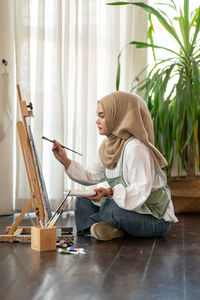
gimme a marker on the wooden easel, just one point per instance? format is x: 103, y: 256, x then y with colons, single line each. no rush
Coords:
x: 16, y: 232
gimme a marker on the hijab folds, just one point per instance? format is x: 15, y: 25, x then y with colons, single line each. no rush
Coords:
x: 126, y: 115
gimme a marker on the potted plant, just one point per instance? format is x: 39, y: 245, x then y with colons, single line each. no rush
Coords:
x: 172, y: 92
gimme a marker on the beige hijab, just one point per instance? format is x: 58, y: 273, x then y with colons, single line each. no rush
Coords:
x: 126, y: 115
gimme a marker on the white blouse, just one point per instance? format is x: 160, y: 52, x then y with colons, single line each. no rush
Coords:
x: 138, y: 173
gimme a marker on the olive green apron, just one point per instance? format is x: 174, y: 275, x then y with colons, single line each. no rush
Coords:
x: 158, y: 201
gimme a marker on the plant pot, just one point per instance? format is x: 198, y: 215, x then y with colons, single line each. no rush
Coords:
x: 185, y: 194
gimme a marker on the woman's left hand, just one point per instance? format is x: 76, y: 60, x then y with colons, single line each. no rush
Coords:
x: 100, y: 192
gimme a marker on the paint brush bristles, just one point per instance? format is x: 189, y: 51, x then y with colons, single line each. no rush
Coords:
x: 45, y: 138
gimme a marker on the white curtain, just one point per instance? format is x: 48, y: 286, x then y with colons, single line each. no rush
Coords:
x: 66, y: 59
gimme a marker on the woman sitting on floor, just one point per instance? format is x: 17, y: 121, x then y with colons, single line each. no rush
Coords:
x: 138, y: 201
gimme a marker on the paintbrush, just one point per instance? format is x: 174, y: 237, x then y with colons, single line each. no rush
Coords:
x: 58, y: 212
x: 45, y: 138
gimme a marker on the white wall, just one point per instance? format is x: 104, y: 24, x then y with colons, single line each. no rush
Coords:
x: 6, y: 145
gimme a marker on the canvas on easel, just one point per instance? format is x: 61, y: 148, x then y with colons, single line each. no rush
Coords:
x: 45, y: 199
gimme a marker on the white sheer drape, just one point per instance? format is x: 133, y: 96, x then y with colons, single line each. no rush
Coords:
x: 66, y: 59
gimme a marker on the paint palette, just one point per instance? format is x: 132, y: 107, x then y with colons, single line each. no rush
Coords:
x: 81, y: 193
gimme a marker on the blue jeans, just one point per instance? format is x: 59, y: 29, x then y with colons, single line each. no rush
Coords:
x: 138, y: 225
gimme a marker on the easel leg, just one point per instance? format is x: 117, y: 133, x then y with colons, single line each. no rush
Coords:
x: 18, y: 220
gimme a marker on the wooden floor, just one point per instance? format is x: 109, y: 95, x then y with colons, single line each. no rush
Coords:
x: 167, y: 267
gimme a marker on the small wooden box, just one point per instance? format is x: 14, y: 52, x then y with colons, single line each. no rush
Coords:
x: 43, y: 239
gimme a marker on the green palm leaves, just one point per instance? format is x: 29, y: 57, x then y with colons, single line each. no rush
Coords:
x: 172, y: 87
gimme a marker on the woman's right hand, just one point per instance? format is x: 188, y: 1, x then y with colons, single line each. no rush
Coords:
x: 60, y: 154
